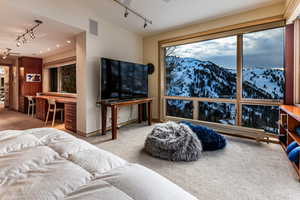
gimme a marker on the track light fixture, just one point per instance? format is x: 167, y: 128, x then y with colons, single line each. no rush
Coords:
x: 127, y: 10
x: 24, y: 40
x: 126, y: 13
x: 18, y: 43
x: 21, y: 39
x: 32, y: 35
x: 5, y: 53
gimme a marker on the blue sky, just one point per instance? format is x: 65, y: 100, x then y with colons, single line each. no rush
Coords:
x: 261, y: 49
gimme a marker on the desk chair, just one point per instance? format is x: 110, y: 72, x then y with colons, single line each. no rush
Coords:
x: 31, y: 105
x: 52, y: 107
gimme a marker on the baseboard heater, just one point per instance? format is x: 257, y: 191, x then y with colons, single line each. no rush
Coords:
x: 238, y: 131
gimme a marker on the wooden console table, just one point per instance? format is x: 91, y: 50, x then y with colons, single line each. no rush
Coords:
x: 114, y: 112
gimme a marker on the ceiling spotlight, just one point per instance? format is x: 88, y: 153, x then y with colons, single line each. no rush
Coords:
x: 126, y: 13
x: 48, y: 49
x: 4, y: 57
x: 57, y: 46
x: 69, y: 41
x: 32, y: 35
x: 41, y: 52
x: 18, y: 43
x: 145, y: 24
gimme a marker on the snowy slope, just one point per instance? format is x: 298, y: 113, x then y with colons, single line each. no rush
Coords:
x: 270, y: 80
x: 189, y: 77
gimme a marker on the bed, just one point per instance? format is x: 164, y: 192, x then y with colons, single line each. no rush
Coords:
x: 46, y: 163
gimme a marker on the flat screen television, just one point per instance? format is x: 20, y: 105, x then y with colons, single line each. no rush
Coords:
x: 123, y: 80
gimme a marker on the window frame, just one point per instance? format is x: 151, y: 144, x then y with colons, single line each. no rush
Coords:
x: 59, y: 81
x: 239, y: 101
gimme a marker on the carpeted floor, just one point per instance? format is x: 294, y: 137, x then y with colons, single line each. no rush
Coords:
x: 19, y: 121
x: 245, y: 170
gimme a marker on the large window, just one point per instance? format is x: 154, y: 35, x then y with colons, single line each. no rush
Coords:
x: 236, y: 80
x: 63, y: 79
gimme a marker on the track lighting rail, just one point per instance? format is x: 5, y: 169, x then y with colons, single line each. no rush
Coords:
x: 147, y: 21
x: 28, y: 31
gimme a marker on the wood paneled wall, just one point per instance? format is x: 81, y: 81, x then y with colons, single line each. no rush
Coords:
x: 28, y: 65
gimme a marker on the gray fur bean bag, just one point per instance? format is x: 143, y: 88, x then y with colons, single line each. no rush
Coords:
x: 175, y: 142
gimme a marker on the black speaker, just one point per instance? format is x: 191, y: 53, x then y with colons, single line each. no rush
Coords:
x: 151, y: 68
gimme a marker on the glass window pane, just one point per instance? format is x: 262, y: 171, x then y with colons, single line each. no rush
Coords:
x: 53, y: 87
x: 223, y: 113
x: 68, y: 78
x: 202, y: 69
x: 260, y: 117
x: 263, y: 68
x: 179, y: 108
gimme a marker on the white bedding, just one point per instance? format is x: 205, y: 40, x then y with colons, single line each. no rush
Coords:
x: 46, y: 164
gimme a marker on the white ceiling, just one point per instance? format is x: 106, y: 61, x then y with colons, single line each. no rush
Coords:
x: 165, y: 14
x: 48, y: 35
x: 170, y: 14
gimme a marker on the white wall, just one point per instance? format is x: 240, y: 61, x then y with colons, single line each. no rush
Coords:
x: 117, y: 44
x: 60, y: 55
x: 113, y: 42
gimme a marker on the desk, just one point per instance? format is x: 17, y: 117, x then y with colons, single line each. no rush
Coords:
x: 114, y: 112
x: 69, y: 109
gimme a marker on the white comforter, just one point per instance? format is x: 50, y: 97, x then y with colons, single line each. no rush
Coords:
x: 46, y: 164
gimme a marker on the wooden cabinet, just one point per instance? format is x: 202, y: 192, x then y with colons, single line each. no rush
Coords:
x: 22, y: 104
x: 70, y: 116
x: 41, y: 108
x: 289, y: 120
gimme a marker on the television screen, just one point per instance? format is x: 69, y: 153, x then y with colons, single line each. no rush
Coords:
x: 123, y: 80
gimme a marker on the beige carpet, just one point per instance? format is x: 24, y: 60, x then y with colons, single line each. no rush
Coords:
x: 245, y: 170
x: 19, y: 121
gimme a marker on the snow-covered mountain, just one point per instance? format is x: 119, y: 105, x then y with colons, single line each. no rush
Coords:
x: 269, y: 82
x: 189, y: 77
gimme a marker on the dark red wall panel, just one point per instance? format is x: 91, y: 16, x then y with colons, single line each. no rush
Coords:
x: 289, y: 65
x: 28, y: 65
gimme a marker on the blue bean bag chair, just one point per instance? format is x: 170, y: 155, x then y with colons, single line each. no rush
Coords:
x: 210, y: 140
x: 294, y: 155
x: 291, y: 146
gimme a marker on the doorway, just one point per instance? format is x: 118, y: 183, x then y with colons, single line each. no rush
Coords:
x: 4, y: 86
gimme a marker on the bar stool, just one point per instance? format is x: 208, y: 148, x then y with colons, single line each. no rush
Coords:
x: 31, y: 105
x: 52, y: 107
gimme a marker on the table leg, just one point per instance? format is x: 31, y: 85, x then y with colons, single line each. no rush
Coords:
x: 140, y: 111
x: 104, y: 118
x: 149, y: 114
x: 114, y: 117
